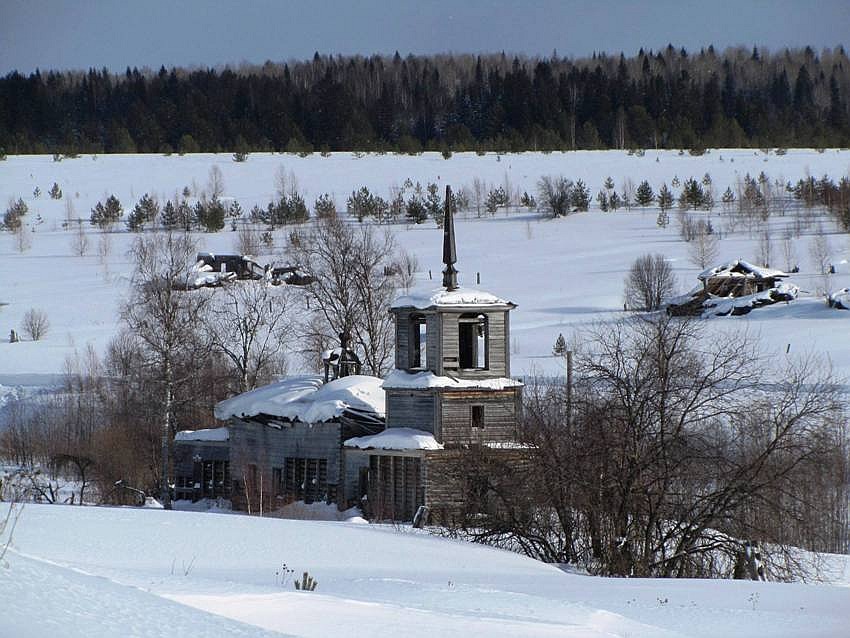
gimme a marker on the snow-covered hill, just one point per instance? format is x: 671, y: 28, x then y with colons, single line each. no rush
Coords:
x: 562, y: 273
x: 93, y: 571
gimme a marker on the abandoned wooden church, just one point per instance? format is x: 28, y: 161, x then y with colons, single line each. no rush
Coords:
x: 395, y: 446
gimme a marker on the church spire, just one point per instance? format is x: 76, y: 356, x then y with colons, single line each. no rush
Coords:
x: 449, y: 251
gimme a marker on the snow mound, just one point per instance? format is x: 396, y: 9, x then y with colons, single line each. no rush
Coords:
x: 441, y: 297
x: 839, y: 299
x: 400, y: 379
x: 210, y: 434
x: 396, y: 439
x: 306, y: 399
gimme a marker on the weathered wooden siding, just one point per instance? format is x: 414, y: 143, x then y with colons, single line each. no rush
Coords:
x: 434, y: 352
x: 396, y: 487
x: 402, y: 340
x: 450, y: 475
x: 500, y: 416
x: 185, y: 451
x: 498, y: 357
x: 403, y: 334
x: 267, y: 447
x: 411, y: 409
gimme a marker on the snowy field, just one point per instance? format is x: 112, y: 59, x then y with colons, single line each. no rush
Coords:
x: 562, y: 273
x: 96, y: 571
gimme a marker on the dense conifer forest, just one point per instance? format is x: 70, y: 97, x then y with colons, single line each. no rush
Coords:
x: 671, y: 98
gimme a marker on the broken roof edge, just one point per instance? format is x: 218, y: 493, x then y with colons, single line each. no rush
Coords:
x: 725, y: 270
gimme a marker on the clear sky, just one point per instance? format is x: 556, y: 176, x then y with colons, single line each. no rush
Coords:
x: 55, y: 34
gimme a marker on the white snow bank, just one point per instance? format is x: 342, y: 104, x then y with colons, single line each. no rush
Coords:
x: 306, y: 399
x: 210, y: 434
x: 376, y: 580
x: 441, y: 297
x: 401, y: 379
x: 396, y: 439
x: 840, y: 299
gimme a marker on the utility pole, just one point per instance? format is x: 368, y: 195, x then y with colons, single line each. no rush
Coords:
x: 569, y: 362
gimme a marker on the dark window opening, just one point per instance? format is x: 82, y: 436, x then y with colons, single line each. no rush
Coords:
x: 477, y: 416
x: 306, y: 480
x: 418, y: 342
x: 210, y: 479
x: 277, y: 481
x: 473, y: 342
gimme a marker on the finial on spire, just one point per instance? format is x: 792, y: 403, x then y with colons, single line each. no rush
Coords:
x: 449, y: 251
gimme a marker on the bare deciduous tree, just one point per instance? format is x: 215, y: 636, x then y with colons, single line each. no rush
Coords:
x: 554, y: 195
x: 819, y: 250
x: 650, y: 281
x: 79, y: 240
x: 35, y: 324
x: 356, y: 276
x: 250, y: 322
x: 248, y: 240
x: 703, y: 247
x: 215, y: 183
x: 164, y: 316
x: 678, y: 459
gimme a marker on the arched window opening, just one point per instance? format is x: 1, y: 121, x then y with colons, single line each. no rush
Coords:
x: 473, y: 342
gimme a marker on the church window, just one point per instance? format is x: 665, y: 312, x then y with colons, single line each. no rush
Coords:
x: 418, y: 342
x: 473, y: 342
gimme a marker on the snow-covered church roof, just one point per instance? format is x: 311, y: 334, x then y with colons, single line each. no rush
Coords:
x: 740, y: 268
x: 307, y: 399
x: 396, y: 439
x: 442, y: 298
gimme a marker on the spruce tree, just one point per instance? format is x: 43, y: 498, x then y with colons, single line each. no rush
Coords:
x: 168, y: 217
x: 580, y: 196
x: 644, y: 194
x: 560, y: 347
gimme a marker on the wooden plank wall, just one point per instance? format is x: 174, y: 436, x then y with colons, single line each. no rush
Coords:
x: 267, y: 447
x: 499, y: 355
x: 500, y: 416
x: 411, y: 409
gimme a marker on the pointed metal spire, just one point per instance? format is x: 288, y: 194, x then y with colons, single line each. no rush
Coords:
x: 449, y: 250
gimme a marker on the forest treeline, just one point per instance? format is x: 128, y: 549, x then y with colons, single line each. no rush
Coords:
x: 670, y: 98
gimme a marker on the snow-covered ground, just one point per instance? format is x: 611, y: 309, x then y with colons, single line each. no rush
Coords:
x: 94, y: 571
x: 562, y: 273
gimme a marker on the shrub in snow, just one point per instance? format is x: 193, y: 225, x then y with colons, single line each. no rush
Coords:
x: 55, y: 191
x: 35, y: 324
x: 554, y: 195
x: 307, y: 583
